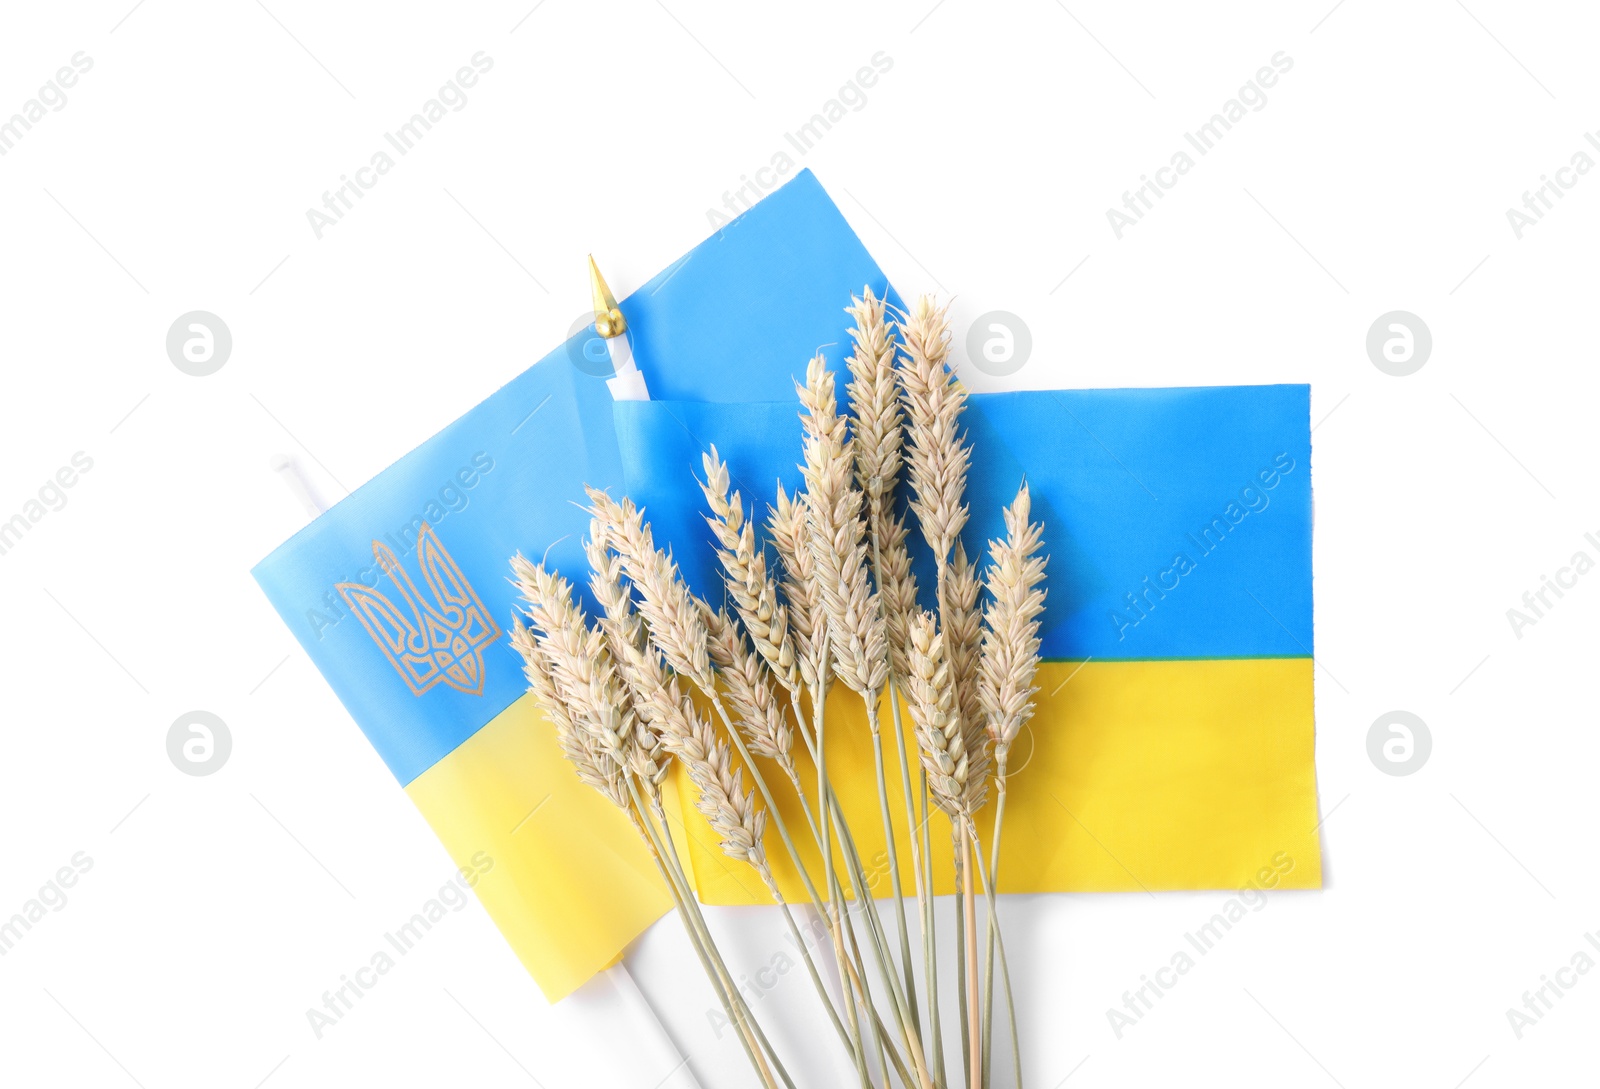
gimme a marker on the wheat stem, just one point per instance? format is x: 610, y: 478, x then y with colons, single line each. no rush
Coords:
x: 881, y: 1037
x: 828, y: 879
x: 884, y: 958
x: 994, y: 926
x: 765, y: 872
x: 914, y: 836
x: 805, y: 953
x: 930, y: 930
x: 883, y: 799
x: 689, y: 905
x: 910, y: 998
x: 991, y: 881
x: 969, y: 918
x: 733, y: 1003
x: 766, y: 792
x: 698, y: 917
x: 836, y: 889
x: 1008, y: 662
x: 816, y: 831
x: 961, y: 956
x: 852, y: 861
x: 877, y: 437
x: 852, y: 613
x: 880, y: 945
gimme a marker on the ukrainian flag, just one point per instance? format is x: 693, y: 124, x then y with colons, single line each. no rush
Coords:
x: 1173, y: 744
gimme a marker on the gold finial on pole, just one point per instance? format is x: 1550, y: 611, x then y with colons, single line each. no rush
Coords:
x: 608, y: 320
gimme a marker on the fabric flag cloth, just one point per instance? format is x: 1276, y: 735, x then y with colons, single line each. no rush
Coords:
x: 1173, y: 744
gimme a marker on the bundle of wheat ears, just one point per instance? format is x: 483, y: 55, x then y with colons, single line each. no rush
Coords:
x: 661, y: 675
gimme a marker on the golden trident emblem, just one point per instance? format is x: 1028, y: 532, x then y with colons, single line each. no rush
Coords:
x: 428, y: 641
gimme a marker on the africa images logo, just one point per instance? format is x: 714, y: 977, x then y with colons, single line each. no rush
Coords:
x: 427, y: 641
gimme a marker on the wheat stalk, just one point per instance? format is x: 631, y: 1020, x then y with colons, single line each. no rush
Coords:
x: 938, y: 460
x: 662, y: 704
x: 753, y: 591
x: 854, y: 644
x: 1008, y: 663
x: 685, y: 624
x: 947, y: 761
x: 765, y: 617
x: 787, y: 526
x: 879, y: 432
x: 572, y: 668
x: 878, y: 436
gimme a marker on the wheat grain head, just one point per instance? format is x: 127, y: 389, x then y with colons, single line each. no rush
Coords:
x: 937, y: 454
x: 1010, y: 654
x: 747, y: 685
x: 754, y: 593
x: 930, y: 692
x: 879, y: 437
x: 836, y: 535
x: 671, y: 613
x: 572, y: 671
x: 808, y: 622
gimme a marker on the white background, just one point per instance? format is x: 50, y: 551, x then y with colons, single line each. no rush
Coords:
x: 1377, y: 177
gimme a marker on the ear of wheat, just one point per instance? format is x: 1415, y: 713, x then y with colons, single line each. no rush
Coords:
x: 749, y: 692
x: 753, y: 592
x: 841, y: 604
x: 593, y: 764
x: 571, y: 663
x: 878, y: 444
x: 938, y: 454
x: 786, y: 523
x: 961, y: 624
x: 836, y: 535
x: 942, y: 741
x: 1010, y: 654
